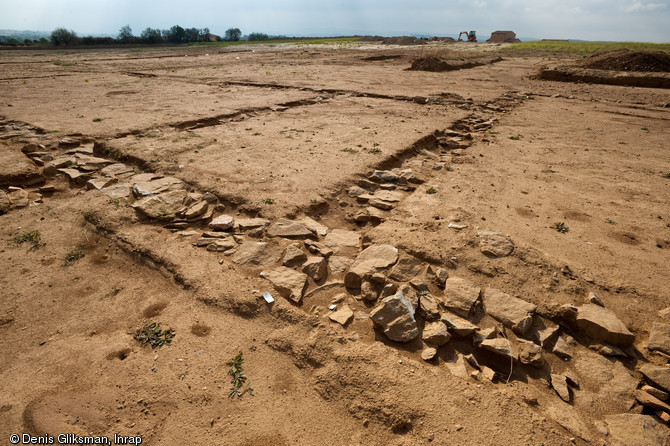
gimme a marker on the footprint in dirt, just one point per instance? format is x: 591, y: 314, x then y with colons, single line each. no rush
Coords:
x: 200, y: 330
x: 154, y: 310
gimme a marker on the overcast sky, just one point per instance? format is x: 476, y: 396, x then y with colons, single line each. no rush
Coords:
x: 639, y: 20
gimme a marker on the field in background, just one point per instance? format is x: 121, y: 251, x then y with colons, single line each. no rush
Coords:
x: 585, y: 49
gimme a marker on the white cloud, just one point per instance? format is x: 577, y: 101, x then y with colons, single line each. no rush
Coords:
x: 639, y: 6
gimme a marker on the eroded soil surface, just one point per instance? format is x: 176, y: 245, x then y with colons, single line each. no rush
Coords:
x: 464, y: 257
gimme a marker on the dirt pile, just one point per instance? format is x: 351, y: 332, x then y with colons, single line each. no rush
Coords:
x: 437, y: 65
x: 625, y: 60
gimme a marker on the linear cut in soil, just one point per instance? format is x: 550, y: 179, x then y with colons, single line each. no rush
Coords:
x: 592, y: 76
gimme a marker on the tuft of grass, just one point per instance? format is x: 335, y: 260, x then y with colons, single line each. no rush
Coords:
x: 113, y: 292
x: 88, y: 215
x: 238, y: 378
x: 153, y: 335
x: 32, y: 237
x: 182, y: 375
x: 431, y: 190
x: 269, y: 200
x: 349, y: 150
x: 516, y: 137
x: 560, y: 227
x: 73, y: 255
x: 375, y: 150
x: 98, y: 119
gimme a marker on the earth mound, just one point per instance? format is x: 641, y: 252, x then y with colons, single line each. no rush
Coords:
x: 438, y: 65
x: 626, y: 60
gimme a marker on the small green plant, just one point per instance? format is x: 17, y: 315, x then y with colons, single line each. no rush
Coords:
x: 516, y: 137
x: 182, y: 375
x: 88, y: 215
x: 375, y: 151
x: 560, y: 227
x: 153, y: 335
x: 162, y: 212
x: 32, y: 237
x: 610, y: 221
x: 645, y: 129
x: 238, y: 378
x: 349, y: 150
x: 666, y: 175
x: 448, y: 168
x: 114, y: 201
x: 98, y: 119
x: 73, y: 255
x: 431, y: 190
x: 313, y: 201
x: 269, y: 200
x: 491, y: 132
x: 64, y: 64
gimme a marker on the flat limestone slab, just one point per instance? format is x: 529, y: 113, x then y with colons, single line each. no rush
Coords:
x: 659, y: 338
x: 602, y: 324
x: 460, y: 295
x: 511, y: 311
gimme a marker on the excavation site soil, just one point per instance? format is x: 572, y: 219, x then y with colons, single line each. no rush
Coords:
x: 287, y: 244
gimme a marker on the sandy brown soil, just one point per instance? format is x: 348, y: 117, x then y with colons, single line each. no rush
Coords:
x: 287, y: 132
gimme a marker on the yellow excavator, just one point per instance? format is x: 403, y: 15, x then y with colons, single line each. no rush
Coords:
x: 471, y: 36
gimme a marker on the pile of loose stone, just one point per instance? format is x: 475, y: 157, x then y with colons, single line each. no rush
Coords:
x: 384, y: 189
x: 411, y: 300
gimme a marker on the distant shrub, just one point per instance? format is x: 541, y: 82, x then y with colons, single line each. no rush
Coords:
x: 126, y: 34
x: 150, y: 35
x: 62, y: 36
x: 257, y: 36
x: 232, y: 35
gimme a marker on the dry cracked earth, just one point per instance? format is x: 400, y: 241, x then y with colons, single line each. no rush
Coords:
x: 474, y: 257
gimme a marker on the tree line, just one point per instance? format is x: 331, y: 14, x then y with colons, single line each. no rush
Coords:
x: 176, y: 35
